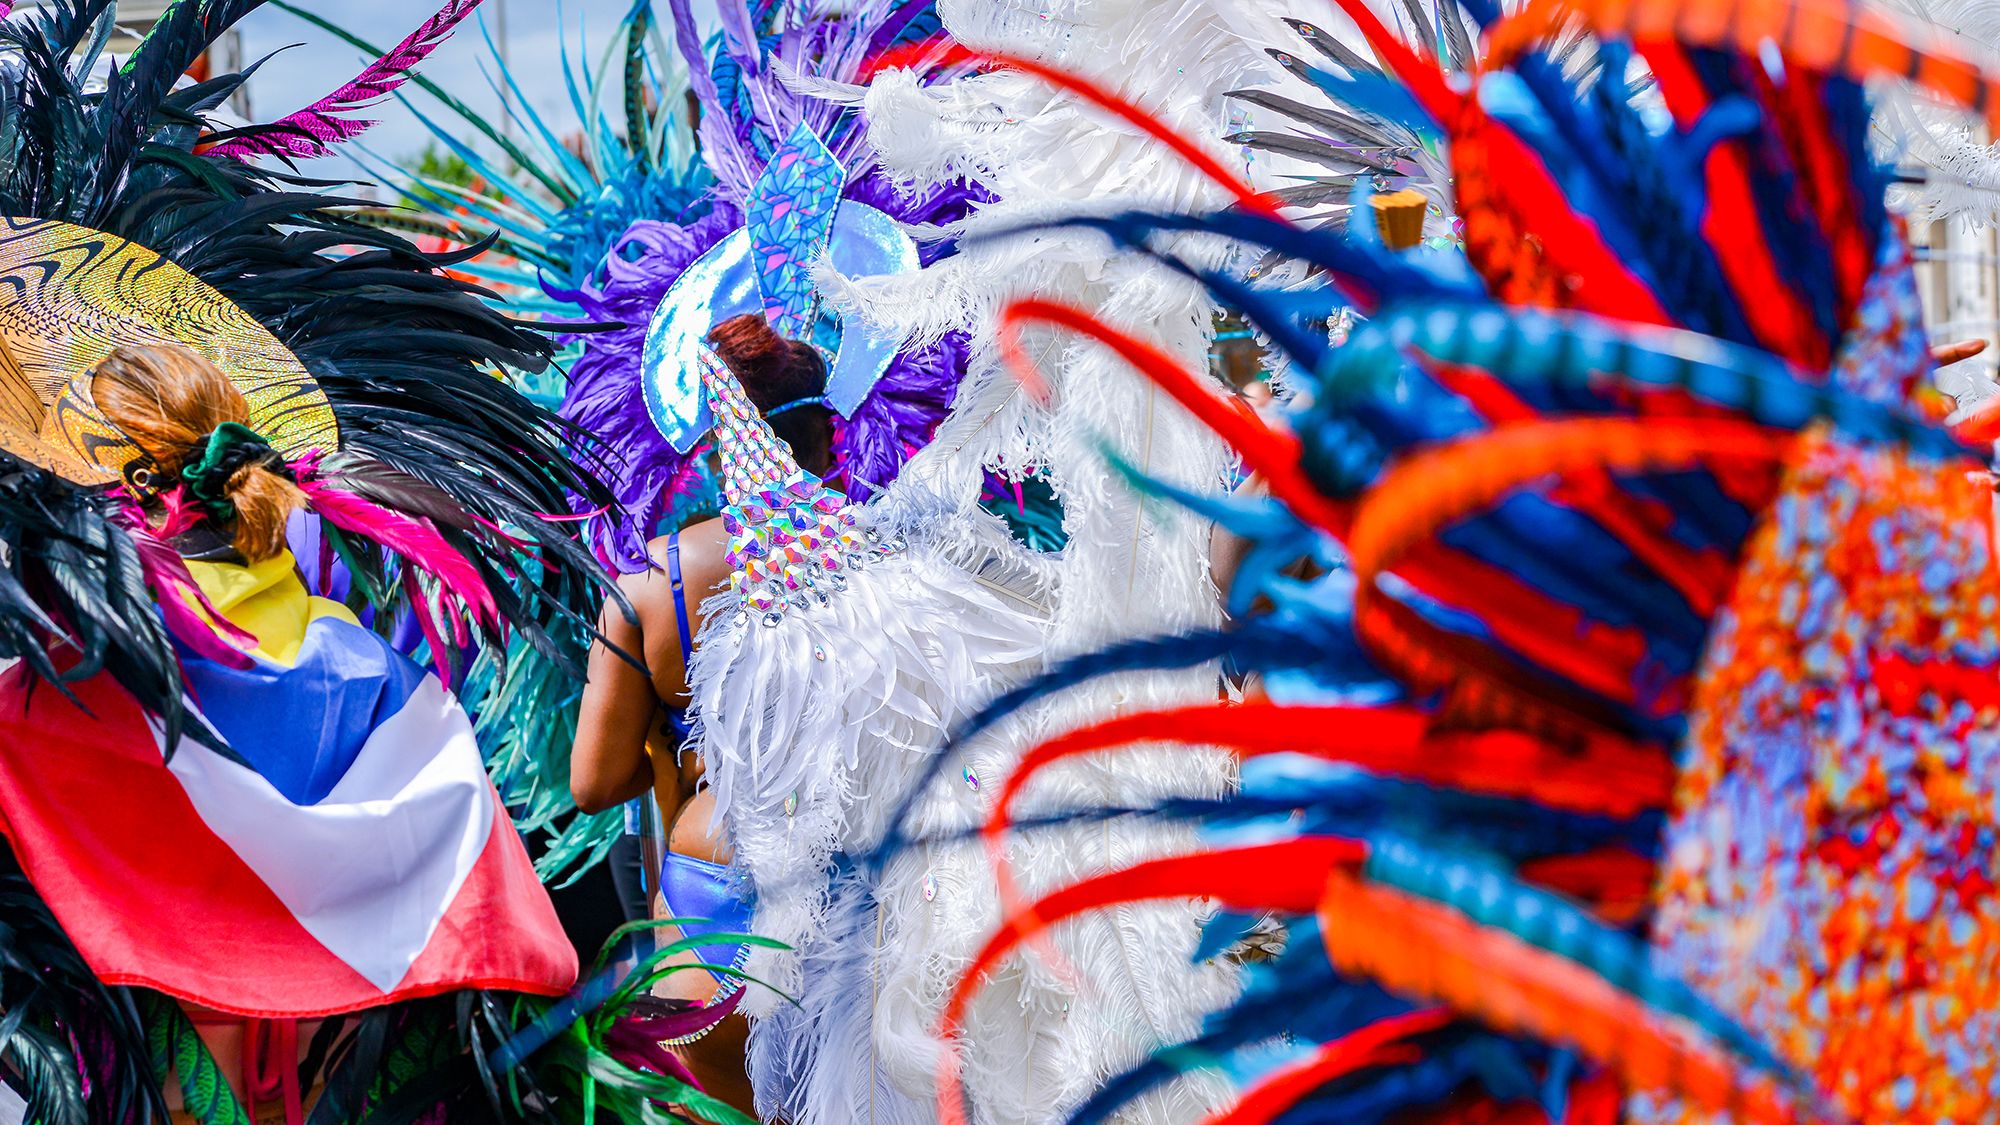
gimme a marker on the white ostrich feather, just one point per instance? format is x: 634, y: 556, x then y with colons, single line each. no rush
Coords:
x: 811, y: 730
x: 1961, y: 171
x: 1046, y: 1030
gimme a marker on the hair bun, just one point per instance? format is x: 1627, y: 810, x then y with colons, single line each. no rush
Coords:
x: 189, y: 421
x: 212, y: 475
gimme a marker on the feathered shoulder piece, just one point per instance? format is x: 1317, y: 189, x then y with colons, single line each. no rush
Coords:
x: 371, y: 373
x: 829, y: 669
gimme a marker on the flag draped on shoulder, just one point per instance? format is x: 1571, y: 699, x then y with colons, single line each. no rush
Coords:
x: 350, y: 852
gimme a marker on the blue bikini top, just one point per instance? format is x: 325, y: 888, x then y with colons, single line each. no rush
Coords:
x: 677, y: 716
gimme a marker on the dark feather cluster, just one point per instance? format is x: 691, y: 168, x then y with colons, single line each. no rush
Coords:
x: 407, y: 355
x: 62, y: 1032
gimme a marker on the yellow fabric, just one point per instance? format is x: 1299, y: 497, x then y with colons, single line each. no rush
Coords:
x: 268, y: 601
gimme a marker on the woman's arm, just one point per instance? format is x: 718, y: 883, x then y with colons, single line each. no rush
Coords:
x: 608, y: 764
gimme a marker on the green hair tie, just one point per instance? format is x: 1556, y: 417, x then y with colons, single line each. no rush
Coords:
x: 229, y: 447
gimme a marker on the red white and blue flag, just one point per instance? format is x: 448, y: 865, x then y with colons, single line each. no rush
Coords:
x: 361, y: 858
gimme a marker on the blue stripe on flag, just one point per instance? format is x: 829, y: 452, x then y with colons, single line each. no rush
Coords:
x: 301, y: 727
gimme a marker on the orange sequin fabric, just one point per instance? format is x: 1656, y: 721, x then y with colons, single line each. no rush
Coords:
x: 1829, y: 871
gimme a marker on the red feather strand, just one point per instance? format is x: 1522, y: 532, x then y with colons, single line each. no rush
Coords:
x: 1702, y: 578
x: 1477, y: 686
x: 1372, y: 1046
x: 1272, y: 454
x: 1439, y: 486
x: 932, y: 54
x: 1433, y: 489
x: 1426, y: 951
x: 1828, y: 36
x: 1616, y: 882
x: 1604, y: 775
x: 1574, y: 266
x: 1287, y: 877
x: 1777, y: 313
x: 1825, y: 179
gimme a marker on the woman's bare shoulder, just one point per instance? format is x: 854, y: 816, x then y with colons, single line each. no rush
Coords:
x: 704, y: 551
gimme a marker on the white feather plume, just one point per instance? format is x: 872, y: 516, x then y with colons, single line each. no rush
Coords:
x: 1961, y: 169
x: 1045, y: 1031
x: 811, y: 730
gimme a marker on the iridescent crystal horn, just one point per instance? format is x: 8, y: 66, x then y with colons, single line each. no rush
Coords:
x: 792, y: 540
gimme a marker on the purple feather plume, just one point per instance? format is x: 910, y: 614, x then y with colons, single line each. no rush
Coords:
x: 603, y: 395
x: 314, y: 130
x: 635, y: 1037
x: 905, y: 407
x: 899, y: 416
x: 895, y: 420
x: 687, y: 39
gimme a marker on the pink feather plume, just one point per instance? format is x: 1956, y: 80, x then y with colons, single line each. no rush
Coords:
x: 184, y: 608
x: 314, y: 130
x: 460, y: 589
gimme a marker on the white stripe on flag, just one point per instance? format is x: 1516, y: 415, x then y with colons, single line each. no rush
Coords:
x: 13, y: 1107
x: 371, y: 868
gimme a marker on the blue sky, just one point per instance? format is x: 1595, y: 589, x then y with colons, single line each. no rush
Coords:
x: 320, y: 63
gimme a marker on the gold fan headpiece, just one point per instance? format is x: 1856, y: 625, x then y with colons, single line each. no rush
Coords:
x: 69, y: 295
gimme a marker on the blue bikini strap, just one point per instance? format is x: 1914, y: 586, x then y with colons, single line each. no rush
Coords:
x: 680, y: 594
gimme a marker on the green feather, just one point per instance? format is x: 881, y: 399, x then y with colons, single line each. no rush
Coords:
x: 637, y: 128
x: 205, y: 1093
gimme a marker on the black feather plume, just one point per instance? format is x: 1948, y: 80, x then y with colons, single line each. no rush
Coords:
x: 408, y: 356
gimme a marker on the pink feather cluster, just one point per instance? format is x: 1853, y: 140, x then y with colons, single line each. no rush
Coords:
x: 184, y: 608
x: 460, y: 592
x: 459, y: 595
x: 314, y: 130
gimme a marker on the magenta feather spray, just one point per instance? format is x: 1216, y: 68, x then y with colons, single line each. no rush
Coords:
x: 184, y: 608
x: 314, y: 130
x: 460, y: 590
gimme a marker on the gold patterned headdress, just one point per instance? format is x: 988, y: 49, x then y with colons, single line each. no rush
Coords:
x: 70, y: 295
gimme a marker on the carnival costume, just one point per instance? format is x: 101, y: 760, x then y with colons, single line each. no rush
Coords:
x: 1629, y: 762
x: 215, y: 785
x: 1106, y: 990
x: 809, y: 757
x: 597, y: 237
x: 861, y: 682
x: 842, y: 652
x: 639, y: 207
